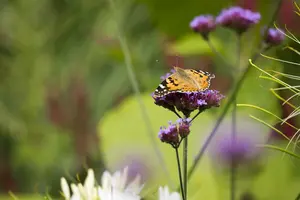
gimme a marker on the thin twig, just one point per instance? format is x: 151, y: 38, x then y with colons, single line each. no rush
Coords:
x: 200, y: 111
x: 179, y: 173
x: 176, y: 113
x: 185, y: 158
x: 234, y: 128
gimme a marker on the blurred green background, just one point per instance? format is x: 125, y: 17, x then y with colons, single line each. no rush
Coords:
x: 67, y: 102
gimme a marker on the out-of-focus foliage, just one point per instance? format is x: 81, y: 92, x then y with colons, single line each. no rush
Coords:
x: 61, y: 69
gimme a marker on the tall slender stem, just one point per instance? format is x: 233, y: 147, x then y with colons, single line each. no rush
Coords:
x: 179, y: 173
x: 185, y: 158
x: 233, y: 139
x: 235, y: 90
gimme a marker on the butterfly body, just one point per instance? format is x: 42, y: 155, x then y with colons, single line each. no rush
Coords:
x: 184, y: 80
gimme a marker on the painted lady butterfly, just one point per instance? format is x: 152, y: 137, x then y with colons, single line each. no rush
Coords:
x: 184, y: 80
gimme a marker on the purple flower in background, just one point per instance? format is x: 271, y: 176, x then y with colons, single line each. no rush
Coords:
x: 238, y: 150
x: 203, y: 24
x: 238, y: 19
x: 242, y: 149
x: 171, y: 134
x: 274, y: 36
x: 187, y: 102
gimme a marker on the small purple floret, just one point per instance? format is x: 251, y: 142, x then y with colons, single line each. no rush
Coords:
x: 187, y: 102
x: 274, y: 36
x: 203, y: 24
x: 237, y: 18
x: 184, y: 127
x: 171, y: 134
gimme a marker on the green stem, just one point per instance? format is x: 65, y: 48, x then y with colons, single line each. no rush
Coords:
x: 185, y: 158
x: 234, y: 128
x: 179, y: 173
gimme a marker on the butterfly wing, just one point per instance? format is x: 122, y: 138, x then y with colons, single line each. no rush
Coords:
x: 174, y: 83
x: 184, y: 80
x: 201, y: 78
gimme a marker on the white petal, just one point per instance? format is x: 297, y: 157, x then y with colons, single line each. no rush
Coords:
x: 89, y: 184
x: 90, y: 179
x: 75, y: 190
x: 82, y: 191
x: 75, y: 197
x: 65, y: 188
x: 116, y: 180
x: 123, y: 178
x: 174, y: 196
x: 164, y: 194
x: 135, y: 186
x: 104, y: 194
x: 106, y: 180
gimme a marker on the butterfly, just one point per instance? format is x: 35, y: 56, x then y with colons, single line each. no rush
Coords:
x: 184, y: 80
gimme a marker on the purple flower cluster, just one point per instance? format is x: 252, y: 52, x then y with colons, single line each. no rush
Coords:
x: 187, y: 102
x: 238, y: 19
x: 203, y: 24
x: 174, y: 132
x: 273, y: 37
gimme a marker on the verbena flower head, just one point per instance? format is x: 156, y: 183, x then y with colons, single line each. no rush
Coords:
x: 238, y: 19
x: 273, y: 36
x: 164, y: 194
x: 173, y: 132
x: 203, y: 24
x: 187, y: 102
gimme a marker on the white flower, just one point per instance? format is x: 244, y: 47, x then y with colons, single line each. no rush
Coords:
x: 65, y: 188
x: 114, y: 186
x: 88, y: 191
x: 164, y: 194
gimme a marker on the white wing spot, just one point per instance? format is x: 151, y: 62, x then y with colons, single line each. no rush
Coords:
x: 161, y: 86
